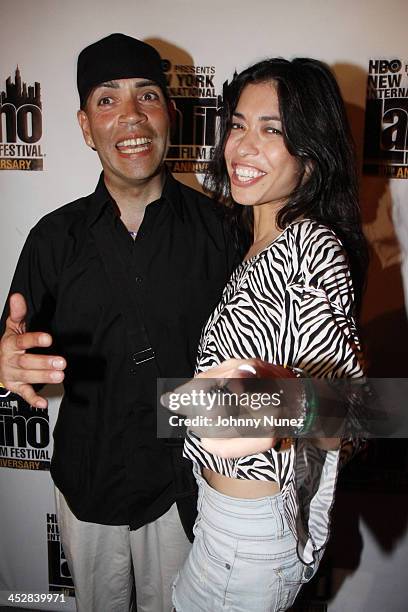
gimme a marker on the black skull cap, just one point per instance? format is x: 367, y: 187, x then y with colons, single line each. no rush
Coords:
x: 117, y: 56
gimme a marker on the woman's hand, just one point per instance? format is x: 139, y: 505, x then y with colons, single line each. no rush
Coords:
x: 247, y: 368
x: 227, y: 428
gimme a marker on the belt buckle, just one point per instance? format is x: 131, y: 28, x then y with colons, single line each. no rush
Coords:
x: 141, y: 357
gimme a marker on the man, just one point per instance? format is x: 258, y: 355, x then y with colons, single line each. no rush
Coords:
x: 119, y: 284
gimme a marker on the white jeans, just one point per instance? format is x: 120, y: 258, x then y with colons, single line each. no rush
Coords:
x: 100, y: 559
x: 243, y: 558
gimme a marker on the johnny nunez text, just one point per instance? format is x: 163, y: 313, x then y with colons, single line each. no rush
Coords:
x: 231, y: 421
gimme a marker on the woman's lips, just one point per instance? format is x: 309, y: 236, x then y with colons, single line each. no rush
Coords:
x: 244, y: 176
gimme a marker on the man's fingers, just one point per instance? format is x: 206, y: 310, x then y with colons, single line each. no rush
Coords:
x: 39, y: 362
x: 18, y: 308
x: 30, y: 396
x: 20, y: 370
x: 29, y: 340
x: 19, y: 376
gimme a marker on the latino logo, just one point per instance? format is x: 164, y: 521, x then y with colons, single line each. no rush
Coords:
x: 24, y: 434
x: 20, y: 125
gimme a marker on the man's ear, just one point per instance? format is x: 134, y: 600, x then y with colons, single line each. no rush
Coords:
x: 86, y: 131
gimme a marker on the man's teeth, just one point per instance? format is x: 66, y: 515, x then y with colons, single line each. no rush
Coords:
x: 246, y: 174
x: 134, y: 145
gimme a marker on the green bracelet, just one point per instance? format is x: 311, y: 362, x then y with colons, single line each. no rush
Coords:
x: 312, y: 403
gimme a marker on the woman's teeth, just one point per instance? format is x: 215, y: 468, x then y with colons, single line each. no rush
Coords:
x: 245, y: 174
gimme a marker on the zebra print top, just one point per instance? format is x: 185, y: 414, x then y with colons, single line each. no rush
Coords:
x: 291, y: 304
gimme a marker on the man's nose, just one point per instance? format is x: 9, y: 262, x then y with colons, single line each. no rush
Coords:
x: 131, y: 112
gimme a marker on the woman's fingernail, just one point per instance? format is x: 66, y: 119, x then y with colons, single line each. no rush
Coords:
x: 245, y: 367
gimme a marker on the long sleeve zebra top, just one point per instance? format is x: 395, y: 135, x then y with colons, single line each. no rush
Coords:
x: 291, y: 304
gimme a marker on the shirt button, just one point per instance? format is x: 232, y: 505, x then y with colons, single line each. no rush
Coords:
x: 227, y: 565
x: 138, y: 279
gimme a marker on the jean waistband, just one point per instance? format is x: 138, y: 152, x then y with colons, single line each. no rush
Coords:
x: 261, y: 518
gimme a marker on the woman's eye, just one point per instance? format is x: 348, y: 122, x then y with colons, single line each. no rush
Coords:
x: 236, y: 126
x: 274, y: 130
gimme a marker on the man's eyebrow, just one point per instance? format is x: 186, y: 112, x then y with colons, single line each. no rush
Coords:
x: 138, y: 84
x: 112, y: 84
x: 146, y: 83
x: 261, y: 118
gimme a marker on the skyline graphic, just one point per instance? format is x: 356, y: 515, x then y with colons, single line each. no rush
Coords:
x: 19, y: 93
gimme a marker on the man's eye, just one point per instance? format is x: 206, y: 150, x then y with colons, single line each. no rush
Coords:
x: 236, y: 126
x: 150, y: 96
x: 105, y: 101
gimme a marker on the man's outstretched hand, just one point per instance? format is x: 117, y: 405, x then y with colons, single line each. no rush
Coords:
x: 19, y: 370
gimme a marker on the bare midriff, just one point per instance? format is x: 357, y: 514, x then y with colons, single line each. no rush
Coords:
x: 234, y: 487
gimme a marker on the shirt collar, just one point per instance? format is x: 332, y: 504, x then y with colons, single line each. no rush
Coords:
x: 99, y: 201
x: 101, y: 198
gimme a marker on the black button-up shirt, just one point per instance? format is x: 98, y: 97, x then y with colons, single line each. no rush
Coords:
x: 107, y: 300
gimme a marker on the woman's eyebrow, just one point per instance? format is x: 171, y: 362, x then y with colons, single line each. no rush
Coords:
x: 269, y: 118
x: 261, y: 118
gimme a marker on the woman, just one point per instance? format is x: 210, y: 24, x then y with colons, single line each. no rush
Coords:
x: 284, y: 169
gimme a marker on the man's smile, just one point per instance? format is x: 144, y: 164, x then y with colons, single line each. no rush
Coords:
x: 134, y: 145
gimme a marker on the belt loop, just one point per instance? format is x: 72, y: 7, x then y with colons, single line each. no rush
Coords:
x: 277, y: 511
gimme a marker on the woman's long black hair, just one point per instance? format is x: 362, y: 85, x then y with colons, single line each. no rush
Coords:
x: 316, y: 131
